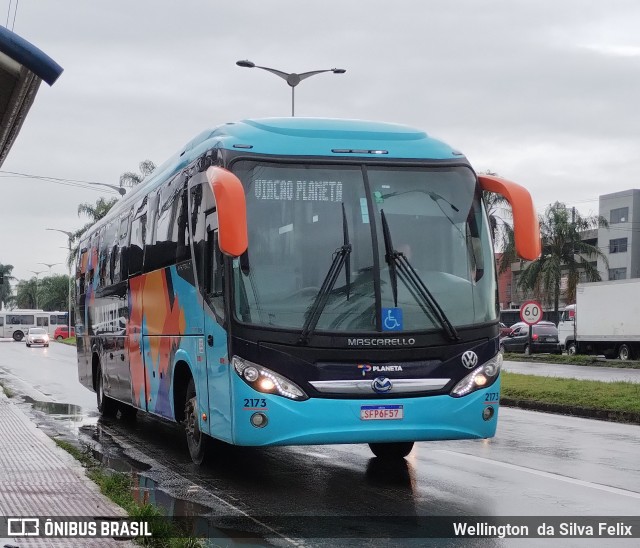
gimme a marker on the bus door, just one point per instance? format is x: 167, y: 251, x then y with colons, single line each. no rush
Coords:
x: 213, y: 377
x: 2, y: 334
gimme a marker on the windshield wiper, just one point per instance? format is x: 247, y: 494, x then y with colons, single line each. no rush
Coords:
x: 398, y: 261
x: 340, y: 257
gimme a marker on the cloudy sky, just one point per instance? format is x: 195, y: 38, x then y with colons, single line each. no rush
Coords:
x: 543, y: 92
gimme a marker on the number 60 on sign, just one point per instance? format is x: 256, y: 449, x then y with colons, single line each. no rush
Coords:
x: 531, y: 312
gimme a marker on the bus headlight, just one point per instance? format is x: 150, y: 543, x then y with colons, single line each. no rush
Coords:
x: 264, y: 380
x: 479, y: 378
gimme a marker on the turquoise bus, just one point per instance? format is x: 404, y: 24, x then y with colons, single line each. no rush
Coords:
x: 301, y: 281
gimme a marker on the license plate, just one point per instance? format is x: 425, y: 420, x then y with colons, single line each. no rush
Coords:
x: 381, y: 412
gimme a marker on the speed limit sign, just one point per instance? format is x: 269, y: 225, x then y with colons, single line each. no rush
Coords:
x: 531, y: 312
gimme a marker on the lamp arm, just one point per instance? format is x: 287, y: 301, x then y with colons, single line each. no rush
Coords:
x: 305, y: 75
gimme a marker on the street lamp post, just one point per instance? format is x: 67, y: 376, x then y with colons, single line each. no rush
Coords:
x: 292, y: 78
x: 37, y: 273
x: 70, y: 238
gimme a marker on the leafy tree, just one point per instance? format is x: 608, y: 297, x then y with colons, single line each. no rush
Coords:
x: 563, y: 252
x: 5, y: 286
x: 53, y: 292
x: 26, y: 293
x: 130, y: 179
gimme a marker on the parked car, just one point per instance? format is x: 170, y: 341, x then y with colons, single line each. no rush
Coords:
x: 544, y: 338
x: 62, y: 332
x: 37, y: 335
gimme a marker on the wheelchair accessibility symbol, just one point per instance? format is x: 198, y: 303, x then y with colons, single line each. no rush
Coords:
x: 392, y: 319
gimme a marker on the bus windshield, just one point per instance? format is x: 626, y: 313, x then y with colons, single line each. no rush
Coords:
x: 301, y: 215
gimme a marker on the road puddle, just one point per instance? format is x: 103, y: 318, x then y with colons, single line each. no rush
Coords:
x: 89, y: 434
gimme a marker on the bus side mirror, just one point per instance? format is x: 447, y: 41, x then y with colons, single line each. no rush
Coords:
x: 232, y: 211
x: 526, y: 229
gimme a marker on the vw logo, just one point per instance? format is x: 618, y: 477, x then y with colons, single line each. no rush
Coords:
x: 381, y: 385
x: 469, y: 359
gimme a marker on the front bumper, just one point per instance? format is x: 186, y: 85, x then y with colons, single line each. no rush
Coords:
x: 324, y: 420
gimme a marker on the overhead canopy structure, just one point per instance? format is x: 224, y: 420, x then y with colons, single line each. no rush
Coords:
x: 22, y: 67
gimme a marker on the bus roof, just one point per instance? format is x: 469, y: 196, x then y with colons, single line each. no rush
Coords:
x: 305, y: 137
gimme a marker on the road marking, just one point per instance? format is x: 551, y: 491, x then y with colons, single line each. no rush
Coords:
x: 550, y: 475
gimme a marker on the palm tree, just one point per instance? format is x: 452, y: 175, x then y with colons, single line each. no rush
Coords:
x: 130, y: 179
x: 563, y: 252
x: 499, y: 212
x: 94, y: 212
x: 5, y: 286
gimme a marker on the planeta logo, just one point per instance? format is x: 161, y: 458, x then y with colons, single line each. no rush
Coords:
x: 365, y: 367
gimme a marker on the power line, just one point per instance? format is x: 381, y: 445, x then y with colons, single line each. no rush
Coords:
x: 88, y: 185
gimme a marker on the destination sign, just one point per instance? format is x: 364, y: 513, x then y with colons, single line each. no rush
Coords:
x: 297, y: 191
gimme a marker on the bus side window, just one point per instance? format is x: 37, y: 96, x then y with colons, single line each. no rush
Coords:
x: 120, y: 251
x: 213, y: 265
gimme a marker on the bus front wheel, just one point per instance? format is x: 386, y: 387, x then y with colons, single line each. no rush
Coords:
x: 18, y: 336
x: 196, y: 440
x: 396, y: 450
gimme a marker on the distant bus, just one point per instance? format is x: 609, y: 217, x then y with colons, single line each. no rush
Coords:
x: 301, y: 281
x: 15, y: 323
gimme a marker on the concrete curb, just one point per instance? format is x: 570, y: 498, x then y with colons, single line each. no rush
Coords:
x: 575, y: 411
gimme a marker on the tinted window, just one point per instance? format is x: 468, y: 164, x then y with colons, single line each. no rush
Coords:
x: 545, y: 330
x: 108, y: 246
x: 37, y: 331
x: 42, y: 321
x: 20, y: 319
x: 171, y: 243
x: 138, y: 238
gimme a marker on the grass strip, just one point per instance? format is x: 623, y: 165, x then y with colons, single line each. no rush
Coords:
x: 7, y: 391
x: 571, y: 360
x: 117, y: 487
x: 618, y: 401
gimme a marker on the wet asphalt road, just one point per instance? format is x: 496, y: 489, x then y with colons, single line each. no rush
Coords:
x: 538, y: 464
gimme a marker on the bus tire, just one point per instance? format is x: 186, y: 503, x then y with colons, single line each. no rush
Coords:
x: 391, y: 451
x: 18, y: 336
x: 197, y: 442
x: 107, y: 406
x: 624, y: 352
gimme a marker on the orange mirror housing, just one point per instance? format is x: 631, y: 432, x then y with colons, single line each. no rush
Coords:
x: 526, y: 229
x: 232, y: 211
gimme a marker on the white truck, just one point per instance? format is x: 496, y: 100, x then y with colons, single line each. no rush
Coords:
x: 604, y: 320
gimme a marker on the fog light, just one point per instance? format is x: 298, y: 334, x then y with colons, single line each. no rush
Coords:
x: 259, y: 420
x: 488, y: 412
